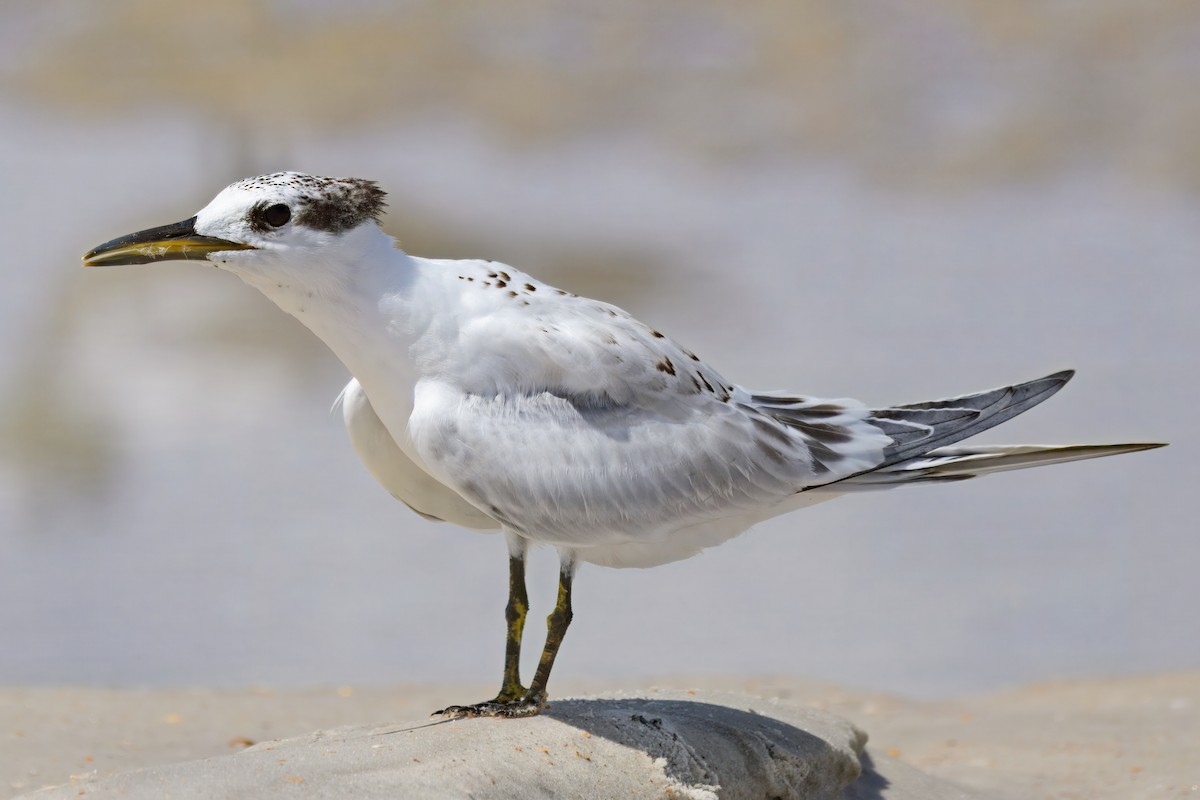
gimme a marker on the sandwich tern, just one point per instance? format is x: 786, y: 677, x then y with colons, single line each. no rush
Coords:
x: 483, y: 397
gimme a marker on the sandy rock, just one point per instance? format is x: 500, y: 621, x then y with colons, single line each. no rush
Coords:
x: 673, y: 745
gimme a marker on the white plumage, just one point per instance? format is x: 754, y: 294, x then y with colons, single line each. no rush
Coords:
x: 486, y: 398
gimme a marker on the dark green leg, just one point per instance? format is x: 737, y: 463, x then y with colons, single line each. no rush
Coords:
x: 514, y: 699
x: 556, y: 629
x: 514, y: 615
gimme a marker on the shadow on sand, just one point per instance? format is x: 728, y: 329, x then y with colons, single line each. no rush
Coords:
x: 704, y: 743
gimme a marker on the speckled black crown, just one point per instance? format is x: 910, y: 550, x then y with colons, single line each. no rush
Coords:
x: 327, y: 204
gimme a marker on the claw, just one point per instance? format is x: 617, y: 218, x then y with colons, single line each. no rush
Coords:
x: 527, y: 706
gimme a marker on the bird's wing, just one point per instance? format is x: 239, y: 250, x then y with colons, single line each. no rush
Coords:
x: 566, y: 419
x: 586, y: 427
x: 396, y: 472
x: 917, y: 428
x: 575, y: 345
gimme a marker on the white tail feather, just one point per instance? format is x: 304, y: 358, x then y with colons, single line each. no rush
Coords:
x: 960, y: 463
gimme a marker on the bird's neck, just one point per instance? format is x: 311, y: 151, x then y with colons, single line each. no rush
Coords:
x: 374, y: 310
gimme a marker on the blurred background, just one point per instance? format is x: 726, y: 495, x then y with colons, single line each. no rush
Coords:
x: 890, y: 202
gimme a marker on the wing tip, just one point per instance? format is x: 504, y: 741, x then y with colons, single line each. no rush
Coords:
x: 1061, y: 377
x: 1038, y: 390
x: 1056, y: 381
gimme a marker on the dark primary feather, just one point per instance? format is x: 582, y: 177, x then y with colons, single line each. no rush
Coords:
x: 917, y: 428
x: 958, y: 418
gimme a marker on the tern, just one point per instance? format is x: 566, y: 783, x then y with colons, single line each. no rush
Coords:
x: 484, y: 397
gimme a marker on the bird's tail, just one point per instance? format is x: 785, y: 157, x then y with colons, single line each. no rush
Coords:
x: 960, y: 463
x: 921, y: 431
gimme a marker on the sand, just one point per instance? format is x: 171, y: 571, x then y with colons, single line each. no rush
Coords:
x: 1127, y: 738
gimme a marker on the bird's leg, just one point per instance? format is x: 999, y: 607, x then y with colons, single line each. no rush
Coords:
x: 556, y: 628
x: 512, y: 691
x: 514, y: 614
x: 514, y: 699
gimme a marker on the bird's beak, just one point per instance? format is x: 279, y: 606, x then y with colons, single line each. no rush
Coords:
x: 164, y: 243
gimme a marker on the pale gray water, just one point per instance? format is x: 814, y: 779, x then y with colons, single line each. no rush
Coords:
x: 178, y: 507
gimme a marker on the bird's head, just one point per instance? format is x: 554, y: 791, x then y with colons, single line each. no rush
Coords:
x: 258, y: 226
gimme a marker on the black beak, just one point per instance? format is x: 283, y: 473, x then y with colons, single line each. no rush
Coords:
x: 178, y: 241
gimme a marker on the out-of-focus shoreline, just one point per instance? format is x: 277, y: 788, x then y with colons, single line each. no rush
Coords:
x: 1128, y: 738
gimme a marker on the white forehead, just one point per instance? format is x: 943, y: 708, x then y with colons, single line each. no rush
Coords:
x: 326, y: 204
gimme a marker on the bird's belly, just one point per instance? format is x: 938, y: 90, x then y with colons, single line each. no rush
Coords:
x: 686, y: 542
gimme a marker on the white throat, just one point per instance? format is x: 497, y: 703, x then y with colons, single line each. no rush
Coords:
x: 369, y: 301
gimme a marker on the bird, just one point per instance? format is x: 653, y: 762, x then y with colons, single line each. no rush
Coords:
x: 484, y: 397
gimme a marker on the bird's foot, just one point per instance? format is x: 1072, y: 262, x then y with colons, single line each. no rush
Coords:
x: 527, y: 704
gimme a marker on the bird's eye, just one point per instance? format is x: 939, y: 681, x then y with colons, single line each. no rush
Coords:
x: 277, y: 215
